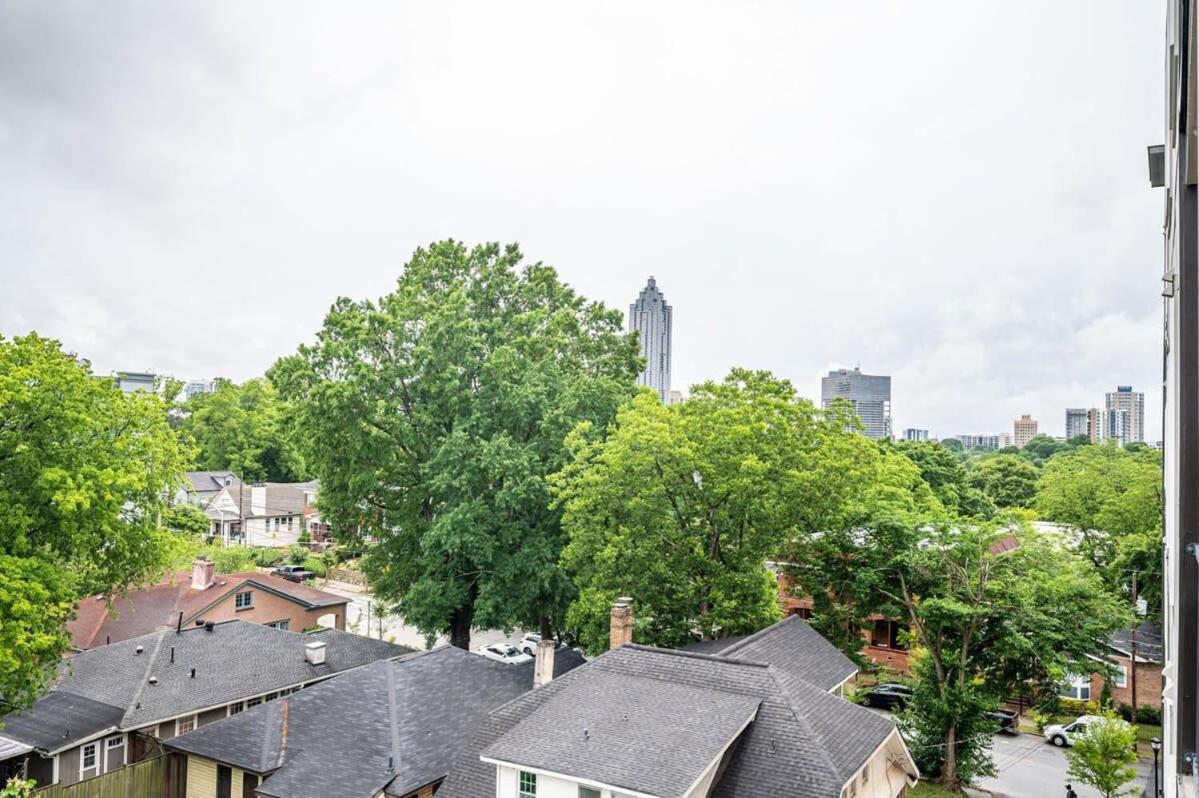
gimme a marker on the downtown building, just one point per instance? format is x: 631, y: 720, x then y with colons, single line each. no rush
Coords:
x: 979, y: 441
x: 1024, y: 429
x: 651, y: 317
x: 1128, y: 408
x: 869, y: 394
x: 1086, y: 421
x: 914, y: 434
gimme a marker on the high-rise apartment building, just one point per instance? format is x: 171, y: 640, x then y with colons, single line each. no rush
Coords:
x: 869, y: 394
x: 913, y: 434
x: 1117, y: 426
x: 979, y: 441
x: 1133, y: 403
x: 650, y: 316
x: 1077, y: 422
x: 1024, y: 430
x: 1005, y: 440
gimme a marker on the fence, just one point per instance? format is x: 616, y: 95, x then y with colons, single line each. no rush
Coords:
x: 160, y: 777
x: 346, y: 575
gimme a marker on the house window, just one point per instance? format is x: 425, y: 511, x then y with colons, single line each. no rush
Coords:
x: 184, y: 725
x: 1121, y: 679
x: 89, y: 758
x: 114, y: 742
x: 271, y: 696
x: 253, y: 702
x: 1076, y: 687
x: 235, y: 708
x: 284, y: 624
x: 866, y: 775
x: 588, y: 792
x: 243, y: 601
x: 528, y: 785
x: 289, y: 520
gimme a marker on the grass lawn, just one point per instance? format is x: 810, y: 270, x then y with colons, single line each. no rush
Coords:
x: 926, y: 789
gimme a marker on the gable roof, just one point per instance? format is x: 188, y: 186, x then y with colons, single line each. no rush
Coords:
x: 205, y: 481
x: 234, y: 660
x: 790, y: 645
x: 60, y: 720
x: 153, y: 607
x: 277, y: 498
x: 803, y: 741
x: 396, y: 724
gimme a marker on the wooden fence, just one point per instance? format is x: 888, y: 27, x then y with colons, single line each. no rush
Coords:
x: 346, y: 575
x: 160, y: 777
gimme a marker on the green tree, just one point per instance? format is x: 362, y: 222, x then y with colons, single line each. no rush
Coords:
x: 1042, y: 448
x: 84, y: 469
x: 947, y: 477
x: 244, y: 428
x: 682, y: 505
x: 992, y: 606
x: 186, y: 519
x: 1104, y: 757
x: 18, y: 788
x: 1006, y: 480
x: 433, y: 418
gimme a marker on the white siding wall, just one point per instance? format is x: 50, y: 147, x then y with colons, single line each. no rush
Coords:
x: 201, y: 777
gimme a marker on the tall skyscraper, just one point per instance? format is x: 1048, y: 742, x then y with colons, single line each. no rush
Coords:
x: 1024, y: 430
x: 1117, y: 426
x: 651, y: 317
x: 1077, y: 422
x: 914, y: 434
x: 869, y: 394
x: 1134, y: 404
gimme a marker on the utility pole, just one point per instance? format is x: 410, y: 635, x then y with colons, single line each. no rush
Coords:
x: 1132, y: 667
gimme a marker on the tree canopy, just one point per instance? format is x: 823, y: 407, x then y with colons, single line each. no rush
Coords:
x: 945, y: 474
x: 84, y: 469
x: 1105, y: 757
x: 1007, y: 480
x: 243, y: 428
x: 433, y: 417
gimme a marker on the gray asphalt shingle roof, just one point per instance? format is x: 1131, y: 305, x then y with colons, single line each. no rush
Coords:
x: 236, y: 659
x: 790, y: 645
x: 599, y: 728
x: 59, y: 720
x: 397, y: 724
x: 802, y: 742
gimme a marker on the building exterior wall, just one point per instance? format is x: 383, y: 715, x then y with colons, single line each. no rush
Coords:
x: 1148, y: 684
x: 653, y: 318
x: 869, y: 394
x: 1024, y: 430
x: 267, y: 607
x: 1130, y: 402
x: 201, y: 777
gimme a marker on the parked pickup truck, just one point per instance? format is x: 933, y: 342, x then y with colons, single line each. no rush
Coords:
x: 293, y: 573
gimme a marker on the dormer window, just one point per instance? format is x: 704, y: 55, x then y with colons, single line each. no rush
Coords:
x: 528, y: 785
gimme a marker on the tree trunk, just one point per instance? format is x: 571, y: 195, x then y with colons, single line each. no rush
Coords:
x: 949, y: 772
x: 460, y: 623
x: 546, y: 629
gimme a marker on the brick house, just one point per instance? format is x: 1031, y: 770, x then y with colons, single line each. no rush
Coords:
x: 1148, y: 677
x: 254, y: 597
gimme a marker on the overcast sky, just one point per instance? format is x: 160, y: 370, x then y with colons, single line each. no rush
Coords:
x: 954, y: 193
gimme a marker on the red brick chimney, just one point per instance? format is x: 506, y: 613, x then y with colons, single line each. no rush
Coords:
x: 202, y: 571
x: 620, y: 631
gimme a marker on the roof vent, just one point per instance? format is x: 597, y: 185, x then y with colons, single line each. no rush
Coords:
x: 314, y: 652
x: 193, y: 673
x: 138, y: 650
x: 153, y: 680
x: 209, y: 626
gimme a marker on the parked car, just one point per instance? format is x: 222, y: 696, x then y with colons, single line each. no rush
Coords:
x: 1007, y: 722
x: 888, y: 696
x: 528, y: 643
x: 293, y: 573
x: 503, y: 652
x: 1065, y: 734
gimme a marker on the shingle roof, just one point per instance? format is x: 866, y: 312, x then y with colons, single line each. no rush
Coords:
x: 203, y: 481
x: 801, y: 744
x: 10, y: 748
x: 234, y: 660
x: 794, y: 647
x: 153, y: 607
x: 1150, y: 645
x: 596, y: 729
x: 411, y: 713
x: 59, y: 720
x: 278, y: 498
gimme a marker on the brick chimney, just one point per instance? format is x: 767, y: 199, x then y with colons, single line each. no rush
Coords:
x: 543, y: 664
x: 621, y: 629
x: 202, y: 574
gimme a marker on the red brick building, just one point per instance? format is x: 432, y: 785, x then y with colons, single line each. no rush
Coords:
x: 1148, y: 676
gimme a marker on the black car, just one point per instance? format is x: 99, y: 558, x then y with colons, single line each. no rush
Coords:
x: 1005, y: 722
x: 293, y: 573
x: 888, y: 696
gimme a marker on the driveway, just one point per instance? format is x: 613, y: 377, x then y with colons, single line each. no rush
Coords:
x: 1029, y: 767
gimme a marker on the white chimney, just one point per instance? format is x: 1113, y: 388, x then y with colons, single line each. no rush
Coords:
x: 258, y: 500
x: 202, y: 571
x: 315, y: 653
x: 543, y: 664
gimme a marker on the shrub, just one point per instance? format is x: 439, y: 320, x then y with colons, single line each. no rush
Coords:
x: 1041, y: 720
x: 316, y: 565
x: 1150, y: 716
x: 232, y: 559
x: 297, y: 555
x: 1075, y: 706
x: 266, y: 557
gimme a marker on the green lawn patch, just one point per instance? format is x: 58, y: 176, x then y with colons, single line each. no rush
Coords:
x: 926, y: 789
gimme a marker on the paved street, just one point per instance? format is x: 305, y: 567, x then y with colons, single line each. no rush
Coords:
x: 1029, y: 767
x: 362, y: 608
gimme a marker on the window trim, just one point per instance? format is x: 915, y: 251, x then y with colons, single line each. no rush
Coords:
x: 1121, y: 677
x: 96, y: 766
x: 521, y: 790
x: 237, y: 600
x: 195, y: 721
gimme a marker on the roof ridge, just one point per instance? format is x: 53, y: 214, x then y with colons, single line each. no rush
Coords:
x: 802, y: 719
x: 694, y: 655
x: 392, y: 722
x: 135, y: 702
x: 743, y: 642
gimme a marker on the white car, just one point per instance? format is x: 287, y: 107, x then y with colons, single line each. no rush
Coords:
x: 528, y: 643
x: 503, y: 652
x: 1063, y: 735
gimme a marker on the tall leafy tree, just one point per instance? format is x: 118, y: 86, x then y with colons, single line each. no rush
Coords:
x: 681, y: 506
x: 84, y: 469
x: 1007, y: 480
x: 1105, y: 757
x: 433, y: 417
x: 947, y: 477
x: 243, y: 428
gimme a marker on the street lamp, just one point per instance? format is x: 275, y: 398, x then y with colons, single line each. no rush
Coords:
x: 1156, y: 745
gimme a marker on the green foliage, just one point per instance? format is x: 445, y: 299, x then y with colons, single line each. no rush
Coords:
x: 941, y: 718
x: 947, y: 477
x: 296, y: 555
x: 18, y: 788
x: 1042, y: 447
x: 1076, y: 706
x: 433, y: 417
x: 83, y: 472
x: 231, y: 559
x: 268, y: 557
x: 1008, y: 481
x: 186, y: 519
x: 316, y: 565
x: 1104, y: 757
x: 244, y: 428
